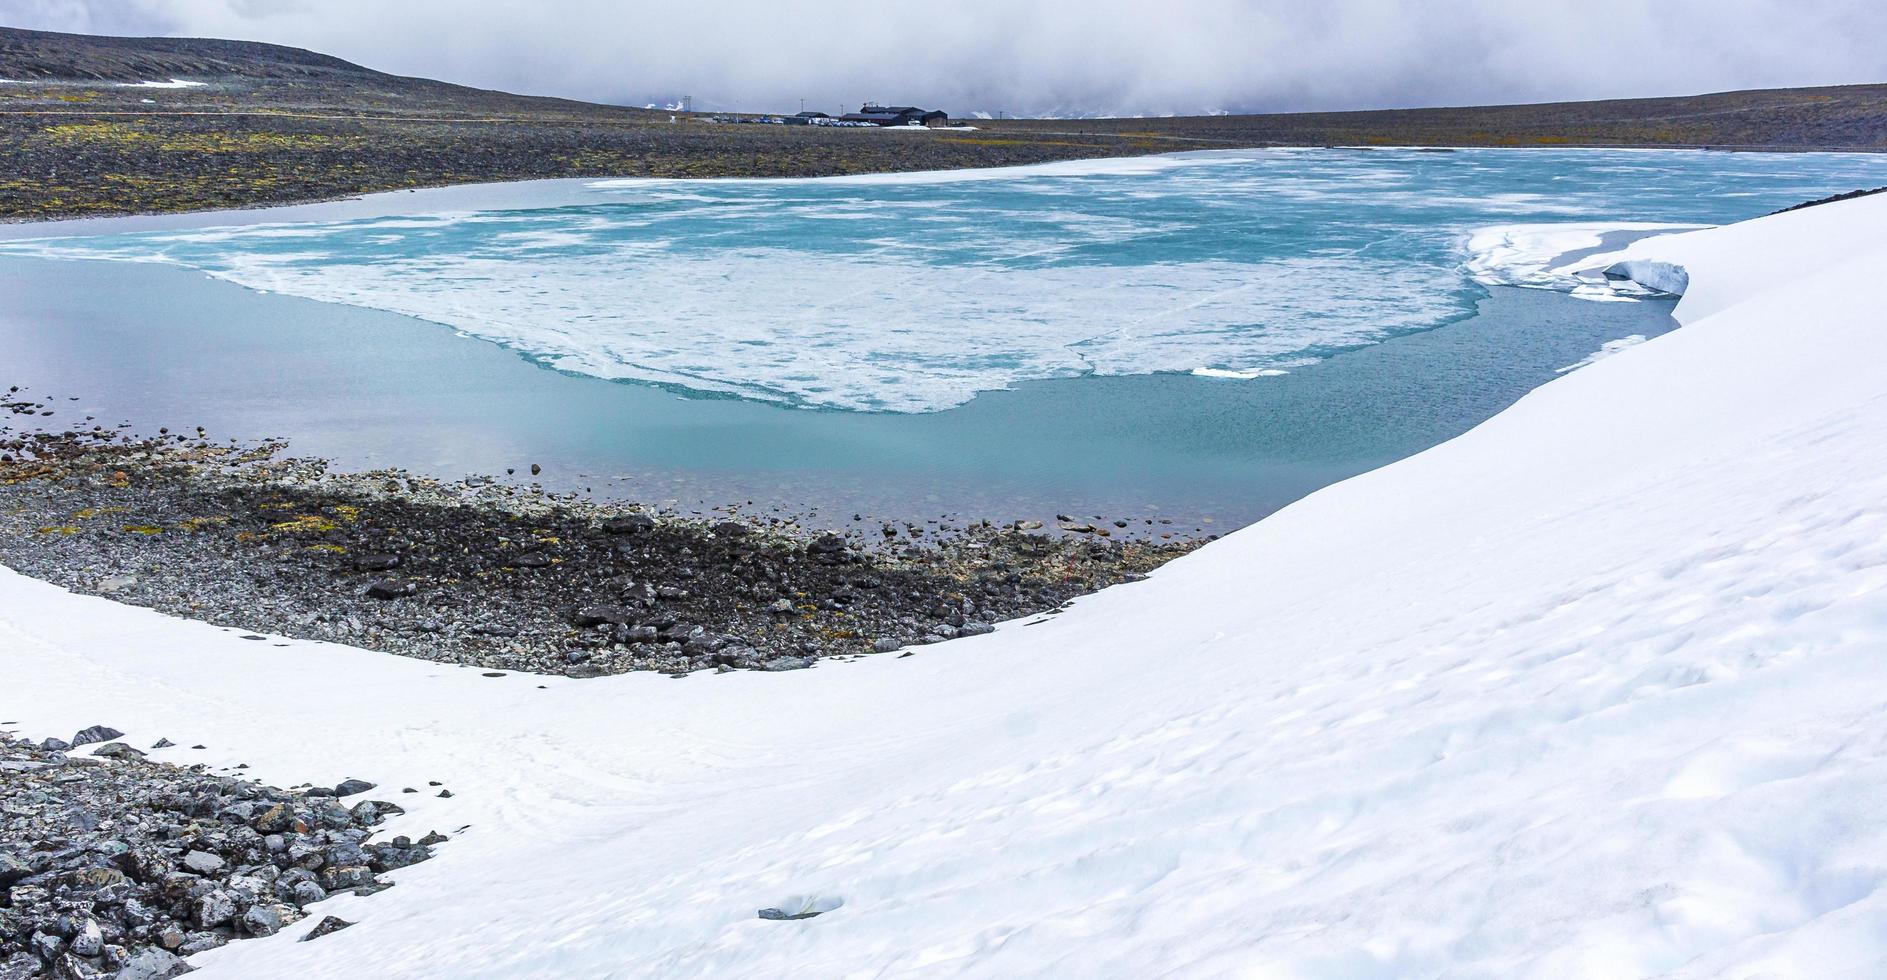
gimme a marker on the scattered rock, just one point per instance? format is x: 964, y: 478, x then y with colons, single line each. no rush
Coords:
x: 826, y: 544
x: 203, y: 862
x: 96, y: 733
x: 116, y: 583
x: 327, y: 926
x: 141, y: 864
x: 261, y: 920
x: 212, y: 909
x: 391, y: 588
x: 602, y: 615
x: 153, y: 963
x: 628, y: 524
x: 12, y: 869
x: 89, y: 940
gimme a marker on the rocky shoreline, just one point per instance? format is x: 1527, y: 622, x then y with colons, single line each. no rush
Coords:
x: 115, y: 865
x: 510, y: 578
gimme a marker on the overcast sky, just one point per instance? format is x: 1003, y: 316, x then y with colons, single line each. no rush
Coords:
x: 1050, y: 56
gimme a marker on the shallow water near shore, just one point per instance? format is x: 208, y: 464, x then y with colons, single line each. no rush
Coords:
x: 166, y: 347
x: 1006, y: 344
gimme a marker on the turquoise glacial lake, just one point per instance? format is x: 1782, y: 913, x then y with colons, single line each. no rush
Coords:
x: 1196, y: 338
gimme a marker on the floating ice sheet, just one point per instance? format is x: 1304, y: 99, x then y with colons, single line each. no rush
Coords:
x: 914, y: 292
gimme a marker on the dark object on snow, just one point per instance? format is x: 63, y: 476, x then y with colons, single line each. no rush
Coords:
x: 778, y: 916
x: 328, y: 924
x: 801, y: 907
x: 96, y: 733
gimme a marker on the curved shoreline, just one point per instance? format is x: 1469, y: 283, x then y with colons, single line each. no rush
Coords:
x: 508, y: 578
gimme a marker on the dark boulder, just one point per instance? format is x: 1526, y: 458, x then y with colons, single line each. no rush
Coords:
x: 96, y: 733
x: 329, y: 924
x: 391, y: 588
x: 602, y: 615
x: 628, y: 524
x: 377, y: 563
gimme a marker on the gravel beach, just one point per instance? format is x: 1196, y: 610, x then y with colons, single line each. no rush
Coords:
x: 510, y: 578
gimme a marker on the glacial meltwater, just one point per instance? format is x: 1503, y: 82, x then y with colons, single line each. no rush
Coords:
x: 1198, y: 338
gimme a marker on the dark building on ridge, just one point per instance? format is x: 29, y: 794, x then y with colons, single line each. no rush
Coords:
x: 898, y: 115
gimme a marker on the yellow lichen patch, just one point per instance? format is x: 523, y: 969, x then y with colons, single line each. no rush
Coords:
x: 306, y: 524
x: 276, y: 505
x: 146, y: 529
x: 62, y: 529
x: 134, y: 134
x: 332, y: 549
x: 548, y: 539
x: 199, y: 523
x: 347, y: 512
x: 94, y: 132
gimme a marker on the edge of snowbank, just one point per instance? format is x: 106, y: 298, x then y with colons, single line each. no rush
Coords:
x: 1722, y: 267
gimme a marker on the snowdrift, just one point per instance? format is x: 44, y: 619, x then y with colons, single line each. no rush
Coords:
x: 1593, y: 690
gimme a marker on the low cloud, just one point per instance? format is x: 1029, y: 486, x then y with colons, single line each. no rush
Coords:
x: 1050, y: 56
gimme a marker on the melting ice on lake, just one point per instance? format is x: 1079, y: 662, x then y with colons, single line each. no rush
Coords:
x: 912, y: 293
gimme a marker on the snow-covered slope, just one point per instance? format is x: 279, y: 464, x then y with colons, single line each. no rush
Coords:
x: 1593, y: 690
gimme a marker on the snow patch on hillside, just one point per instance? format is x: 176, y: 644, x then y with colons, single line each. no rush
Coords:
x: 1592, y: 690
